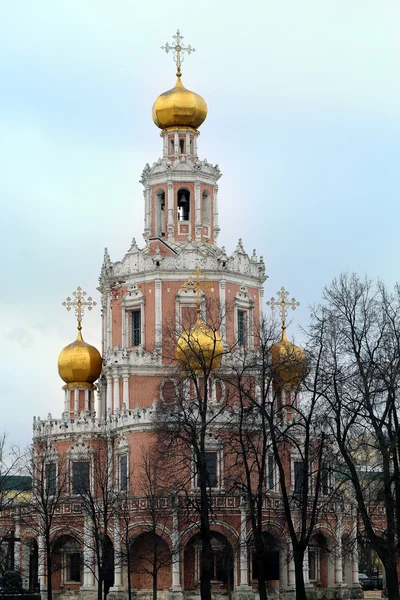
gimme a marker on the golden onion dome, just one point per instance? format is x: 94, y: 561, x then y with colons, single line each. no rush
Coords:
x: 289, y: 362
x: 200, y: 347
x: 79, y: 364
x: 179, y: 107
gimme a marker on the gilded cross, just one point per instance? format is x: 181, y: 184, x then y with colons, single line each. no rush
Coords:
x: 79, y: 303
x: 178, y: 50
x: 283, y: 305
x: 196, y: 282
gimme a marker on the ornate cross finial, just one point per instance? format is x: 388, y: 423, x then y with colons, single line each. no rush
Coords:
x: 194, y: 283
x: 283, y: 305
x: 178, y: 49
x: 79, y: 304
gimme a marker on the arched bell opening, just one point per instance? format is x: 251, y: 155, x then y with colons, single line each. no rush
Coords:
x: 151, y: 560
x: 223, y: 563
x: 159, y: 230
x: 206, y: 208
x: 183, y: 204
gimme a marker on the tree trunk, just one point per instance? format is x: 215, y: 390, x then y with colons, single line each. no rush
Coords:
x: 155, y: 573
x: 49, y: 571
x: 299, y: 575
x: 262, y: 588
x: 392, y: 582
x: 207, y: 569
x: 100, y: 583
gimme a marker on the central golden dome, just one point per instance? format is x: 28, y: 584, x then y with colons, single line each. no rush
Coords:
x: 200, y: 347
x: 289, y: 362
x: 79, y: 364
x: 179, y: 107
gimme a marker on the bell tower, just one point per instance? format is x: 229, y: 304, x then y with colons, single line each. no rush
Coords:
x: 181, y: 192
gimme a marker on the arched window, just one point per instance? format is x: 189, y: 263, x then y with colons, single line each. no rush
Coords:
x: 171, y: 146
x: 206, y: 212
x: 182, y: 145
x: 183, y: 205
x: 159, y: 214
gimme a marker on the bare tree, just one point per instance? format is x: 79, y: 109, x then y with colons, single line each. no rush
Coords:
x: 275, y: 427
x: 49, y: 489
x: 187, y: 419
x: 93, y: 480
x: 151, y: 553
x: 12, y: 487
x: 357, y: 332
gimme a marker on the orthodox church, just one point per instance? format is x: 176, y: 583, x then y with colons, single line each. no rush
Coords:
x: 110, y: 396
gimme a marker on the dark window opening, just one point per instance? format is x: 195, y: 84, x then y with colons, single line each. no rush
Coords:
x: 123, y: 473
x: 74, y: 567
x: 80, y: 477
x: 183, y: 205
x: 211, y: 469
x: 241, y: 322
x: 312, y: 564
x: 298, y: 477
x: 171, y: 146
x: 136, y: 328
x: 182, y: 145
x: 51, y: 478
x: 271, y: 472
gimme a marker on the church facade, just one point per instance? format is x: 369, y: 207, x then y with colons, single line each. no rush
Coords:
x: 110, y: 399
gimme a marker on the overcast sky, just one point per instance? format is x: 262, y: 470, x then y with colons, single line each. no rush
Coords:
x: 304, y: 122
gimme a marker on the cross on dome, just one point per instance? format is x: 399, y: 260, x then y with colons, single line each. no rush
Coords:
x: 178, y: 49
x: 79, y: 304
x: 283, y: 305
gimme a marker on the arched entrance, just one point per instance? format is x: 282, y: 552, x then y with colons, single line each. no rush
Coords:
x: 108, y: 565
x: 151, y: 560
x: 321, y: 560
x: 271, y: 558
x: 223, y: 575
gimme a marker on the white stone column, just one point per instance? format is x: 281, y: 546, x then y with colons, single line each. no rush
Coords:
x: 261, y: 299
x: 98, y: 408
x: 195, y: 146
x: 109, y: 320
x: 148, y: 203
x: 123, y: 327
x: 86, y: 399
x: 176, y: 582
x: 197, y: 206
x: 216, y: 225
x: 165, y: 144
x: 67, y: 400
x: 125, y: 388
x: 176, y: 144
x: 117, y: 553
x: 244, y: 575
x: 109, y: 393
x: 17, y: 545
x: 88, y: 555
x: 188, y: 153
x: 338, y: 550
x: 306, y: 569
x: 355, y: 579
x: 41, y: 561
x: 116, y: 393
x: 76, y: 401
x: 291, y: 568
x: 158, y: 311
x: 222, y: 300
x: 171, y: 210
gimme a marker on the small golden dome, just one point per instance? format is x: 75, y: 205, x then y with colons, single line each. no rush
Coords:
x: 179, y: 107
x: 79, y: 364
x: 289, y: 362
x: 200, y: 347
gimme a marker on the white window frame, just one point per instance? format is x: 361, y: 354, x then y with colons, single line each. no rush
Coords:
x: 133, y: 300
x: 243, y: 302
x: 220, y: 468
x: 123, y: 449
x: 79, y: 452
x: 187, y: 300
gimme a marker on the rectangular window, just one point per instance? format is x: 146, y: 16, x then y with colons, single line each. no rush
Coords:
x: 74, y: 567
x: 271, y: 472
x: 51, y: 478
x: 324, y: 480
x: 241, y: 327
x: 123, y: 473
x: 298, y: 477
x: 312, y: 565
x: 211, y: 470
x: 136, y: 327
x: 80, y: 477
